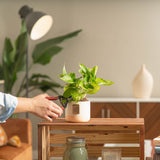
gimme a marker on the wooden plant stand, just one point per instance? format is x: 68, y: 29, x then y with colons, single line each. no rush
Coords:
x: 97, y: 132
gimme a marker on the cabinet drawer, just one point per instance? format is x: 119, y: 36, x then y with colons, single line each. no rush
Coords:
x: 113, y: 110
x: 151, y: 114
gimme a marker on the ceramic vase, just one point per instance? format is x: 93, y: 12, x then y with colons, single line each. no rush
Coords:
x: 78, y: 112
x: 143, y: 83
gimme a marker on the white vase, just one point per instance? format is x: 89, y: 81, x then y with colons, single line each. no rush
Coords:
x: 143, y: 83
x: 78, y: 112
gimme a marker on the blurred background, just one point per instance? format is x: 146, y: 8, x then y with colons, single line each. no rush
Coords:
x: 118, y: 36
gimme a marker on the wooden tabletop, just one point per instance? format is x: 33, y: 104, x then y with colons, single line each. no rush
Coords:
x: 97, y: 121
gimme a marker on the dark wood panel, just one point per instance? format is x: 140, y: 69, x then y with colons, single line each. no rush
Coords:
x: 117, y: 110
x: 151, y: 114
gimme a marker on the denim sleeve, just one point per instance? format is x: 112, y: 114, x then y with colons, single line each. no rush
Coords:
x: 8, y: 104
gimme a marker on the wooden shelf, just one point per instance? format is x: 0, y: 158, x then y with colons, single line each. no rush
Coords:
x: 97, y: 133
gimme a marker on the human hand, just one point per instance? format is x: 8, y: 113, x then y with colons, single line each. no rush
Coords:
x: 45, y: 108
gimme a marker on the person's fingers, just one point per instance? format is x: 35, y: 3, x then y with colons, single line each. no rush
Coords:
x: 55, y: 108
x: 56, y: 111
x: 48, y: 118
x: 53, y: 115
x: 58, y: 107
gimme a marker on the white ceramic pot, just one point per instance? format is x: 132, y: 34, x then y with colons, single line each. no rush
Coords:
x: 78, y: 112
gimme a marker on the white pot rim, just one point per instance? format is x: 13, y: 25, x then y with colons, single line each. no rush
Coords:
x: 79, y: 102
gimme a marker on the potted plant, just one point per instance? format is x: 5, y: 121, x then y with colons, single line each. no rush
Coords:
x: 76, y: 89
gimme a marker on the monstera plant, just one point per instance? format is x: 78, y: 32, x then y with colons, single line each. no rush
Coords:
x: 14, y: 62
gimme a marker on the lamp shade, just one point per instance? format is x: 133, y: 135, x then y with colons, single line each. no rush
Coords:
x: 37, y: 23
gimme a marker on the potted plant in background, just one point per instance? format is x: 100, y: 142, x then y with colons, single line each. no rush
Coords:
x: 76, y: 89
x: 14, y: 62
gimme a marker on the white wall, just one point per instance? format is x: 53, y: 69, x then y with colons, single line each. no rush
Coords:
x: 118, y: 36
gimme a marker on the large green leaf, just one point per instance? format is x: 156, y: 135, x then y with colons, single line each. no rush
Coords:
x: 7, y: 50
x: 94, y: 90
x: 84, y: 70
x: 45, y: 56
x: 60, y: 39
x: 104, y: 82
x: 21, y: 51
x: 1, y: 72
x: 68, y: 77
x: 41, y: 48
x: 7, y: 65
x: 94, y: 71
x: 75, y: 93
x: 13, y: 60
x: 68, y: 92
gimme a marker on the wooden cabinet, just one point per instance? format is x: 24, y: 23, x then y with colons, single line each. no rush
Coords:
x: 149, y: 109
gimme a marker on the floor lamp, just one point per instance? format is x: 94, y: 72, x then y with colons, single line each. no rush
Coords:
x: 37, y: 24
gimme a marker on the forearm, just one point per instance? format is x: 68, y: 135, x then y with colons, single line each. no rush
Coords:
x: 24, y: 105
x: 39, y: 106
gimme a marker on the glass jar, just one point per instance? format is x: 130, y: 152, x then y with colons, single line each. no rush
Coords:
x: 111, y: 153
x: 75, y: 149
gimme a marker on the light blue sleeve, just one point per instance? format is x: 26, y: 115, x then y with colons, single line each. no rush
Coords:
x: 8, y: 104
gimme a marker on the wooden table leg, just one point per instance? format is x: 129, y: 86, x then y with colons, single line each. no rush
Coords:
x: 39, y: 142
x: 43, y: 142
